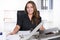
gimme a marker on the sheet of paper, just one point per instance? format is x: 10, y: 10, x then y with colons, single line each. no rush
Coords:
x: 24, y: 32
x: 13, y: 37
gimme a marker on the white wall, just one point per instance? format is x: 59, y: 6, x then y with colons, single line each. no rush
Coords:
x: 47, y: 15
x: 1, y: 25
x: 14, y: 4
x: 57, y: 13
x: 1, y: 21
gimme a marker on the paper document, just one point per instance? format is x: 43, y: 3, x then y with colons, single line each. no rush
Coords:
x: 13, y: 37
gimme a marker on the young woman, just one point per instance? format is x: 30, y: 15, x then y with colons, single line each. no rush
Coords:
x: 29, y: 20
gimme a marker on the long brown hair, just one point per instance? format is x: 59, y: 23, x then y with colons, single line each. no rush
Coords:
x: 35, y: 13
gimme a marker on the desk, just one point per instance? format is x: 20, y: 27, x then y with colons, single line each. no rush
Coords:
x: 13, y: 37
x: 1, y: 37
x: 17, y: 37
x: 51, y: 36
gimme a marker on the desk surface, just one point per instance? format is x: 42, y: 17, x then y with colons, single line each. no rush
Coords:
x: 50, y: 37
x: 17, y: 37
x: 1, y: 37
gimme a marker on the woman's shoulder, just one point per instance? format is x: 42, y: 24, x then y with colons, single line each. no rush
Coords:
x: 21, y: 13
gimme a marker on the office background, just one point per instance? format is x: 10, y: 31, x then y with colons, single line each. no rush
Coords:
x: 8, y: 13
x: 49, y: 16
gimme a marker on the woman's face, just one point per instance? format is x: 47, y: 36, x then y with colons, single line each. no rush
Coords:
x: 30, y: 9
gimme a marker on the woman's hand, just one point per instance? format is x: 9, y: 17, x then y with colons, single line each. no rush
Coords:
x: 42, y: 28
x: 16, y: 29
x: 11, y: 33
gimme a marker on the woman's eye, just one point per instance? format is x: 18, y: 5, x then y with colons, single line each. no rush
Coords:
x: 31, y: 7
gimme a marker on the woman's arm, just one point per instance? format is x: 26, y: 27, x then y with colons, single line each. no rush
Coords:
x: 16, y: 29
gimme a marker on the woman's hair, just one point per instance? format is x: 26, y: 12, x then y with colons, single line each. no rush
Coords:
x: 35, y: 18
